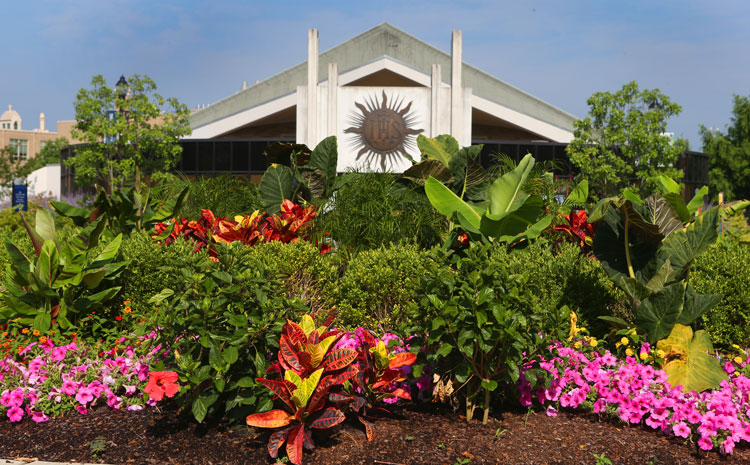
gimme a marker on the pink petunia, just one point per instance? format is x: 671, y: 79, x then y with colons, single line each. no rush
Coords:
x: 84, y: 396
x: 15, y: 414
x: 39, y: 417
x: 551, y: 411
x: 681, y: 429
x: 705, y: 443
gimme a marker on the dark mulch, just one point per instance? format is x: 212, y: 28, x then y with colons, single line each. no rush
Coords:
x: 415, y: 435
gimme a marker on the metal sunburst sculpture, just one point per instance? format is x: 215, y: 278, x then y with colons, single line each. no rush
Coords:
x: 383, y: 131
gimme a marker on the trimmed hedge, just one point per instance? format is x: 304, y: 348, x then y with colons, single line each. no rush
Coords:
x: 725, y: 269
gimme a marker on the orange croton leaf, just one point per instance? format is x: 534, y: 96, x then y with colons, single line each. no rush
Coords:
x: 271, y: 419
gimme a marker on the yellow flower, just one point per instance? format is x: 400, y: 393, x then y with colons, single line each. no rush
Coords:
x: 577, y: 345
x: 738, y: 360
x: 736, y: 346
x: 127, y: 310
x: 644, y: 355
x: 593, y: 342
x: 632, y: 331
x: 624, y: 341
x: 629, y: 352
x: 36, y: 332
x: 660, y: 353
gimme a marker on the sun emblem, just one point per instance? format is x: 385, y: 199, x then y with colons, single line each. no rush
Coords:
x: 383, y: 131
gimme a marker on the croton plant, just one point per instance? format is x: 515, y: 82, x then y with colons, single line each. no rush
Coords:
x: 311, y: 386
x: 291, y: 225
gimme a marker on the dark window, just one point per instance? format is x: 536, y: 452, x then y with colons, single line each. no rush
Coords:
x: 545, y: 153
x: 240, y: 156
x: 189, y: 160
x: 257, y: 159
x: 222, y: 153
x: 205, y: 156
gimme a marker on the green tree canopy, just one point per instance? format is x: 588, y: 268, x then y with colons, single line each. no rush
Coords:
x: 137, y: 133
x: 729, y: 154
x: 622, y: 142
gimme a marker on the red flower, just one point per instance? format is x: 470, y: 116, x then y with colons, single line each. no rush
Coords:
x: 160, y: 384
x: 118, y: 318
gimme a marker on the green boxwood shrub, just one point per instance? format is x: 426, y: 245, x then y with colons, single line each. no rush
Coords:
x: 563, y: 277
x: 378, y: 284
x: 725, y: 269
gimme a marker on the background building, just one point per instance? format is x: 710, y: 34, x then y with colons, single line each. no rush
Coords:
x: 27, y: 143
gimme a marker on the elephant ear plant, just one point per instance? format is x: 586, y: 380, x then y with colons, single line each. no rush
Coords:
x: 509, y: 215
x: 647, y: 248
x: 63, y: 278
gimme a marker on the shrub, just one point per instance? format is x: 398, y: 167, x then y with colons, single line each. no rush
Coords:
x: 377, y: 285
x: 483, y: 322
x: 373, y: 209
x: 725, y: 269
x: 223, y: 319
x: 152, y: 267
x: 306, y: 273
x: 563, y: 277
x: 225, y: 195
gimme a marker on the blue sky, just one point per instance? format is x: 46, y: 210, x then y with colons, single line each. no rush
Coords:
x: 696, y: 52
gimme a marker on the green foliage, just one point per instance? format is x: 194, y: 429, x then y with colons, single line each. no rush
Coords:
x: 225, y: 195
x: 647, y: 248
x: 226, y: 317
x: 483, y: 322
x: 143, y: 136
x: 729, y: 154
x: 305, y: 273
x: 510, y: 214
x: 298, y: 174
x: 377, y: 286
x: 373, y: 209
x: 153, y: 266
x: 622, y: 142
x: 724, y: 270
x: 48, y: 286
x: 50, y: 153
x: 125, y: 209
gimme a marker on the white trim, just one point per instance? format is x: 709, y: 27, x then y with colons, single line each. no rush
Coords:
x: 238, y: 120
x: 381, y: 64
x: 526, y: 122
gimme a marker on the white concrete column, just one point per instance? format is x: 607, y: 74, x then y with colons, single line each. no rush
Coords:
x: 457, y: 96
x: 333, y: 93
x: 312, y: 87
x: 437, y: 82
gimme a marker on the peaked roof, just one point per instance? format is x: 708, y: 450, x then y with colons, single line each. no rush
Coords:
x: 380, y: 41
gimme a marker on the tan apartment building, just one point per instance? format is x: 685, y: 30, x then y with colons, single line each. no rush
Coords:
x: 27, y: 143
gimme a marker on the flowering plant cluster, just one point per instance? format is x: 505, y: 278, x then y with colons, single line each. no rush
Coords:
x: 46, y: 379
x: 291, y: 225
x: 637, y: 392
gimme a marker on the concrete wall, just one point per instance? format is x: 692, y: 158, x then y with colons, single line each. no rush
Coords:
x: 45, y: 181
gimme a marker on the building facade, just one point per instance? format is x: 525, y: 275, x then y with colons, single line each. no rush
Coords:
x: 28, y: 143
x: 376, y: 93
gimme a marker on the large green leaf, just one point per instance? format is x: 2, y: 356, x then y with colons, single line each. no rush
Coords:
x: 110, y: 250
x: 665, y: 215
x: 420, y: 172
x: 17, y: 258
x: 513, y: 222
x: 697, y: 201
x: 576, y: 198
x: 446, y: 202
x: 682, y: 246
x: 696, y: 304
x: 316, y: 182
x: 170, y: 207
x: 79, y: 215
x: 442, y: 148
x: 695, y: 368
x: 47, y: 263
x: 657, y: 314
x: 325, y: 157
x: 45, y: 225
x: 306, y: 389
x: 276, y: 185
x: 506, y: 193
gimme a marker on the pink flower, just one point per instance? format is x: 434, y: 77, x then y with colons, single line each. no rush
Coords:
x: 705, y: 443
x: 729, y: 368
x: 82, y: 409
x: 84, y: 396
x: 551, y: 411
x: 69, y: 387
x: 681, y: 429
x: 728, y: 446
x: 15, y: 414
x: 135, y: 407
x: 39, y: 417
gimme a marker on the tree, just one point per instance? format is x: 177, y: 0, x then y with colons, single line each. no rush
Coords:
x: 126, y: 131
x: 11, y: 167
x: 50, y: 153
x: 729, y: 154
x: 622, y: 142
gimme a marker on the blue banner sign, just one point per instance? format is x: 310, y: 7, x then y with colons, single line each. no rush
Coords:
x: 20, y: 197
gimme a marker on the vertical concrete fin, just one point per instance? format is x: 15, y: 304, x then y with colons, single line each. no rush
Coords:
x: 456, y: 86
x: 435, y: 85
x: 312, y: 87
x: 333, y: 92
